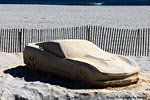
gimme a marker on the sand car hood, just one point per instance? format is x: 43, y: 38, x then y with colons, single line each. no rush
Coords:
x: 115, y: 65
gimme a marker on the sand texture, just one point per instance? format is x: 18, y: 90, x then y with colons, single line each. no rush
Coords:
x: 16, y: 81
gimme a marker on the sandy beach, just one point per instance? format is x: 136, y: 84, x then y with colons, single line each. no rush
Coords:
x: 48, y: 16
x: 19, y: 83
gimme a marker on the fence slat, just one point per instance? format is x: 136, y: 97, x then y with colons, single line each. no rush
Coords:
x: 148, y: 40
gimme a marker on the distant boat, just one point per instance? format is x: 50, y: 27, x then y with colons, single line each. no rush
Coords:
x: 78, y: 2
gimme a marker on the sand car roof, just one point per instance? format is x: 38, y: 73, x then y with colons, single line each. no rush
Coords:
x: 87, y: 52
x: 73, y: 48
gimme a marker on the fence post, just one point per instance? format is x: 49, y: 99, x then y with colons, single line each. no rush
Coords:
x: 138, y: 43
x: 88, y: 33
x: 19, y: 39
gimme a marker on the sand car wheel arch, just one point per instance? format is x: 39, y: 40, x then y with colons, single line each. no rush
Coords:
x: 31, y: 61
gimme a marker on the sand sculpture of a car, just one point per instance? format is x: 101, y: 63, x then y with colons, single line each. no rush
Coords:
x: 81, y: 61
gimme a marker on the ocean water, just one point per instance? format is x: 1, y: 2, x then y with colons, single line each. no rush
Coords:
x: 78, y: 2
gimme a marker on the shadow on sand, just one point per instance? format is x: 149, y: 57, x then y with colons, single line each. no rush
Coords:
x: 32, y: 76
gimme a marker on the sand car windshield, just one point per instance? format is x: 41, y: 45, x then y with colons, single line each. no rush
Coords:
x: 52, y: 47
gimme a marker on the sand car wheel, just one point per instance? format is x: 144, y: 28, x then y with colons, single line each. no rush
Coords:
x: 82, y: 75
x: 32, y: 62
